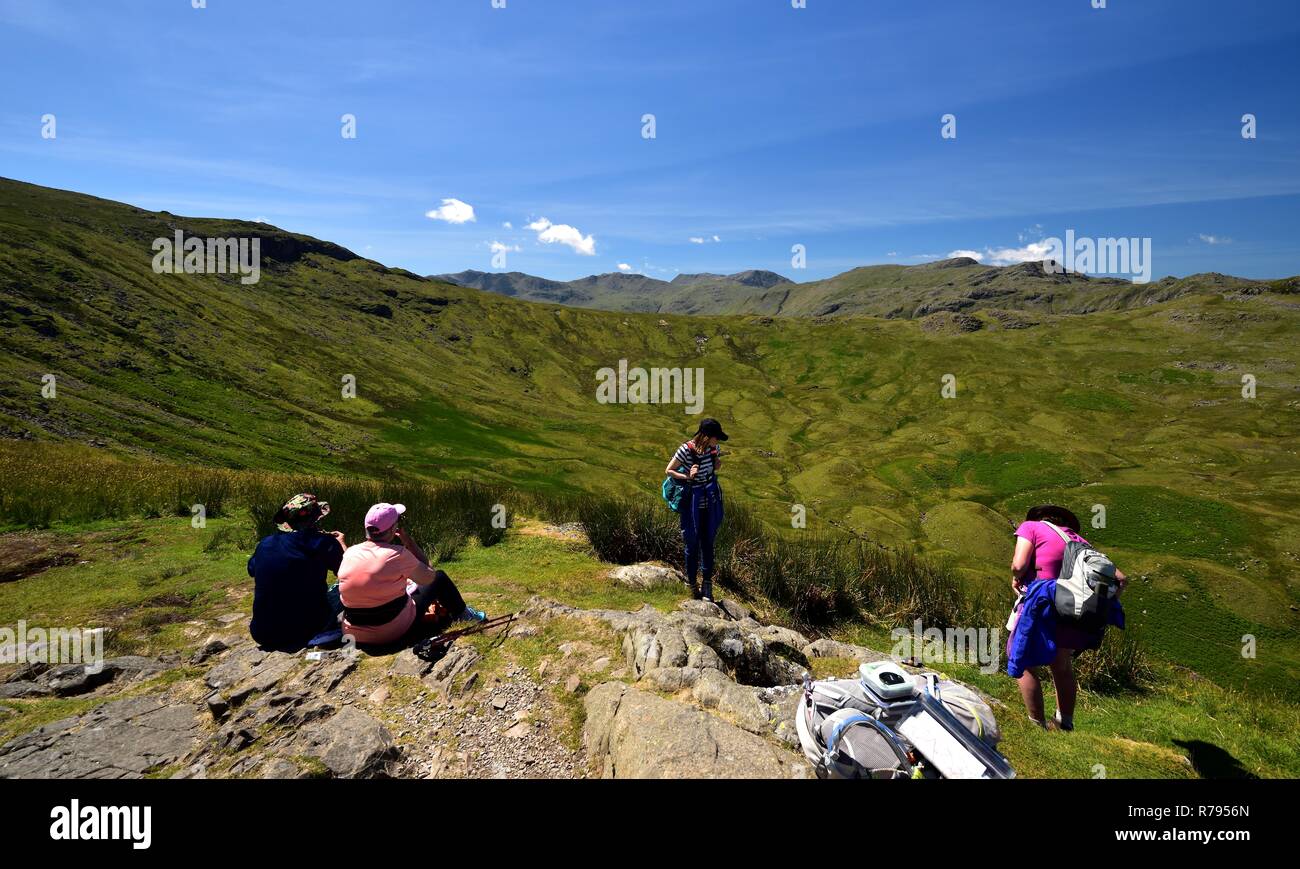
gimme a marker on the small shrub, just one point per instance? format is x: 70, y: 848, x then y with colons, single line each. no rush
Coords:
x: 628, y: 530
x: 1120, y: 664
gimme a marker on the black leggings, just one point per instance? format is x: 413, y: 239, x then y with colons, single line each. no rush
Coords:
x: 443, y: 591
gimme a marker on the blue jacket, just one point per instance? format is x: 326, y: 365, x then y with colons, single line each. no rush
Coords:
x: 1033, y: 642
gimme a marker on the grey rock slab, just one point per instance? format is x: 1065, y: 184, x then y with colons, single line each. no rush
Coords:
x: 827, y: 648
x: 737, y: 703
x: 633, y: 734
x: 647, y: 576
x: 121, y: 739
x: 351, y: 744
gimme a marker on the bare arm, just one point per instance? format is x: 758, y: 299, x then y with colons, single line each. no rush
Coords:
x: 1021, y: 564
x: 672, y: 471
x: 423, y: 573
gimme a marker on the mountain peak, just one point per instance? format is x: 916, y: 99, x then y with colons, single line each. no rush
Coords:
x: 955, y: 262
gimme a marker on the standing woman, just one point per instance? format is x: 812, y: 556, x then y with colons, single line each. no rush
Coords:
x: 1040, y: 549
x: 696, y: 464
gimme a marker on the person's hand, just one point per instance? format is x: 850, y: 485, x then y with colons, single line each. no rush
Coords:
x: 695, y: 469
x: 338, y: 535
x: 403, y: 536
x: 1016, y: 588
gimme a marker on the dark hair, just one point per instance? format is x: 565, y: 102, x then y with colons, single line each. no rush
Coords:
x: 712, y: 428
x: 1054, y: 514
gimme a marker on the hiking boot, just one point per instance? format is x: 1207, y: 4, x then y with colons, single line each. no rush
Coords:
x: 1066, y: 724
x: 696, y: 594
x: 472, y: 615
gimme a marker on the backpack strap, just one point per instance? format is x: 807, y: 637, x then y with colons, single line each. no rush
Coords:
x: 856, y: 718
x: 1065, y: 537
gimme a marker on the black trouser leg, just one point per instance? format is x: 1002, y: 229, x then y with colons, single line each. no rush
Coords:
x: 442, y: 590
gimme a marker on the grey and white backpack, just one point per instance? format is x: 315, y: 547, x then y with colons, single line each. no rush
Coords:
x: 842, y: 735
x: 1086, y: 584
x: 846, y: 731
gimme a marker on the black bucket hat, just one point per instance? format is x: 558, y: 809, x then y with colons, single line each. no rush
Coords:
x: 1054, y: 514
x: 711, y: 427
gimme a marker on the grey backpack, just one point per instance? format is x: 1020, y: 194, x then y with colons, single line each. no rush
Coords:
x: 841, y: 733
x: 1086, y: 584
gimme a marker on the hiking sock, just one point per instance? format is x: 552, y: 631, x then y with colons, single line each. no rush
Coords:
x: 1064, y: 723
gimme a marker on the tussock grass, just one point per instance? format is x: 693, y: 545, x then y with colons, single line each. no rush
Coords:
x: 1121, y: 664
x: 58, y: 483
x: 48, y: 483
x: 820, y: 580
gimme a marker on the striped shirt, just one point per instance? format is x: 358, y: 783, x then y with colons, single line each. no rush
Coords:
x: 687, y: 455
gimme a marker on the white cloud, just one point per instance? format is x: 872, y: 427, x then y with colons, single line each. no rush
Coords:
x: 498, y: 247
x: 562, y: 233
x: 453, y: 211
x: 1035, y: 251
x: 699, y: 239
x: 1036, y: 231
x: 507, y: 225
x: 624, y: 267
x: 1215, y: 239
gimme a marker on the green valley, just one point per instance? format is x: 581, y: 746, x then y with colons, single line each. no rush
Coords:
x: 1124, y: 403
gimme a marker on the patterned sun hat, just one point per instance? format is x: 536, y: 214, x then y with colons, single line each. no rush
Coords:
x: 305, y: 506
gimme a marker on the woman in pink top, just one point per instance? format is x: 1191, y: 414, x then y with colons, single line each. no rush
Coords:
x: 386, y: 583
x: 1039, y: 552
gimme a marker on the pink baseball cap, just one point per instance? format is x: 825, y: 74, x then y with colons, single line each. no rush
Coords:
x: 381, y: 517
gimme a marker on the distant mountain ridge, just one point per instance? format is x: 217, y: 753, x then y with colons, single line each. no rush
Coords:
x: 629, y: 291
x: 953, y: 286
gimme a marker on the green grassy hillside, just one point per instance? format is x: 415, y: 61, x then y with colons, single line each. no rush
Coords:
x: 1138, y: 410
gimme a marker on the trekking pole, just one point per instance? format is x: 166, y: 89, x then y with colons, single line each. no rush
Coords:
x: 450, y: 636
x: 435, y: 648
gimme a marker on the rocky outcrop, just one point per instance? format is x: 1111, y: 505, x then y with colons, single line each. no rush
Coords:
x: 706, y: 691
x: 701, y: 635
x: 630, y: 733
x: 716, y: 661
x: 66, y: 680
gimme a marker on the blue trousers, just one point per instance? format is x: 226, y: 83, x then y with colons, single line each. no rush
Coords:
x: 701, y: 517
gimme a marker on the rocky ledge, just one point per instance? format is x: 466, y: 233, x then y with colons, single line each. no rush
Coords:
x: 706, y: 691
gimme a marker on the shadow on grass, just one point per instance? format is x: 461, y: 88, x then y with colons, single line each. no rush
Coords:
x: 1210, y: 761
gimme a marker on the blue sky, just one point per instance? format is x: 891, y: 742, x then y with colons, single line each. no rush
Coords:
x: 775, y: 126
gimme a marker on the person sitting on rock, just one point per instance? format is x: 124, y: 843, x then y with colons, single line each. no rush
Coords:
x: 387, y: 585
x: 292, y: 605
